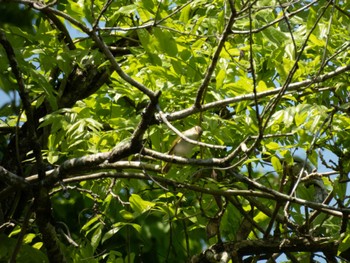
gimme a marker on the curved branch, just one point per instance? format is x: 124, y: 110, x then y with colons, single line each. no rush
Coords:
x: 283, y: 197
x: 101, y: 44
x: 32, y: 122
x: 296, y: 86
x: 164, y: 119
x: 12, y: 179
x: 239, y: 249
x: 61, y: 27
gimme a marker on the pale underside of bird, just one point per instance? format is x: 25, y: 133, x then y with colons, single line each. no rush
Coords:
x: 182, y: 148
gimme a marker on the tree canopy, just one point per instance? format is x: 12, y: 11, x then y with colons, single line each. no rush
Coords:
x: 99, y: 90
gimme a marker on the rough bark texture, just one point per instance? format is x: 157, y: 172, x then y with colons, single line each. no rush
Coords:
x: 222, y: 252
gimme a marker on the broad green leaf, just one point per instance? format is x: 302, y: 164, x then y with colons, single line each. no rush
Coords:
x: 340, y: 189
x: 272, y: 146
x: 112, y: 232
x: 145, y: 40
x: 262, y: 86
x: 27, y: 253
x: 29, y: 238
x: 260, y: 217
x: 290, y: 51
x: 166, y: 41
x: 128, y: 9
x: 185, y: 14
x: 275, y: 37
x: 91, y: 222
x: 128, y: 216
x: 147, y: 4
x: 313, y: 158
x: 220, y: 77
x: 117, y: 227
x: 96, y: 237
x: 300, y: 118
x: 345, y: 243
x: 276, y: 164
x: 140, y: 206
x: 38, y: 245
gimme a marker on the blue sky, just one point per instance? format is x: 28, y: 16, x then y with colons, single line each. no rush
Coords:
x: 3, y: 98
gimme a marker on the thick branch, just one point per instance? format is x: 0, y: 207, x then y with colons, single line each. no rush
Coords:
x: 42, y: 201
x: 135, y: 144
x: 237, y: 250
x: 32, y: 122
x: 12, y: 179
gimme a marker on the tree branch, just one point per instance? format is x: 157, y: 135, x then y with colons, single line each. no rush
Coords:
x: 297, y: 86
x: 202, y: 88
x: 243, y: 248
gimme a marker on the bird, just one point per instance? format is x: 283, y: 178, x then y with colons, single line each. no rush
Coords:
x: 320, y: 190
x: 182, y: 148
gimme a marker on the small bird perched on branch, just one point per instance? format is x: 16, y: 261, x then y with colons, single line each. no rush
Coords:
x: 182, y: 148
x: 320, y: 189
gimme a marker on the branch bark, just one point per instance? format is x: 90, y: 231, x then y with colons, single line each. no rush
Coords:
x: 237, y: 250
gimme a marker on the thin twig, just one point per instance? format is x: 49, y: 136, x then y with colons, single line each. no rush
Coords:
x: 252, y: 69
x: 274, y: 21
x: 264, y: 192
x: 164, y: 119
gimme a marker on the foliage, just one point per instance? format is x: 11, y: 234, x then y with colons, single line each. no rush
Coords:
x: 98, y: 90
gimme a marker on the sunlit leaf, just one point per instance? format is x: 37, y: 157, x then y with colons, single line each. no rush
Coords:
x: 139, y: 205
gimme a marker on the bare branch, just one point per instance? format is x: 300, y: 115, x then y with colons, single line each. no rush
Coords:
x: 243, y: 248
x: 12, y: 179
x: 164, y: 119
x: 264, y: 191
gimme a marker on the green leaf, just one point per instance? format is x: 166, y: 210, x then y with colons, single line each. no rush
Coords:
x: 27, y: 253
x: 112, y: 232
x: 29, y: 238
x: 340, y: 189
x: 38, y: 245
x: 272, y: 146
x: 96, y: 237
x: 145, y: 40
x: 148, y: 5
x: 128, y: 9
x: 127, y: 215
x: 92, y: 221
x: 275, y: 37
x: 313, y: 158
x: 345, y: 243
x: 300, y: 118
x: 220, y: 77
x: 185, y: 14
x: 117, y: 227
x: 276, y: 164
x: 166, y: 41
x: 138, y: 205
